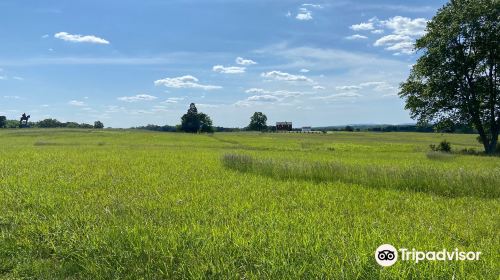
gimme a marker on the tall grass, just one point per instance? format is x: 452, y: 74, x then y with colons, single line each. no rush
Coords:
x: 120, y: 204
x: 433, y: 155
x: 444, y: 182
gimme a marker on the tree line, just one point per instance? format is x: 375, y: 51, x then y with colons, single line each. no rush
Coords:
x: 49, y: 123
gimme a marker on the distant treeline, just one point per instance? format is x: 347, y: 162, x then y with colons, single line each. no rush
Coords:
x: 177, y: 128
x: 48, y: 123
x: 400, y: 128
x: 54, y: 123
x: 374, y: 128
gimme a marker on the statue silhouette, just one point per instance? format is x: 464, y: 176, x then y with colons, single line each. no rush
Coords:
x: 25, y: 119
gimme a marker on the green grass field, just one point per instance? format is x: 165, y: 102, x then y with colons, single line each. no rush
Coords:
x: 78, y: 204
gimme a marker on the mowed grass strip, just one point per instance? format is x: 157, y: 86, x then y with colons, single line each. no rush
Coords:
x: 445, y: 182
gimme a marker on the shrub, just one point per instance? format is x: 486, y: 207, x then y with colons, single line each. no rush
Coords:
x: 444, y: 147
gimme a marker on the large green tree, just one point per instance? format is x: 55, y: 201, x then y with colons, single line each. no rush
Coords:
x: 258, y: 121
x: 205, y: 123
x: 194, y: 122
x: 98, y: 125
x: 456, y: 79
x: 3, y: 121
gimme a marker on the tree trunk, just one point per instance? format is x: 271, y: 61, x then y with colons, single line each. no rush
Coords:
x: 492, y: 147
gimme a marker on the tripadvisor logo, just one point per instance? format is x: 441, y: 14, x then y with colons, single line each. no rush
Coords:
x: 387, y: 255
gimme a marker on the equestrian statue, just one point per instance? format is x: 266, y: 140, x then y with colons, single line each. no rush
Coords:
x: 25, y: 119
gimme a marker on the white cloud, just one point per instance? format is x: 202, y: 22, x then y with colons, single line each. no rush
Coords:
x: 304, y: 70
x: 141, y: 112
x: 76, y: 103
x: 45, y: 36
x: 396, y: 42
x: 159, y: 109
x: 137, y: 98
x: 391, y: 39
x: 173, y: 100
x: 356, y: 37
x: 263, y: 98
x: 203, y: 105
x: 317, y: 6
x: 362, y: 26
x: 114, y: 109
x: 376, y: 86
x: 12, y: 97
x: 319, y: 87
x: 321, y: 59
x: 304, y: 14
x: 348, y: 88
x: 243, y: 61
x: 77, y: 38
x: 186, y: 81
x: 339, y: 96
x: 403, y: 32
x: 395, y: 94
x: 281, y: 76
x: 406, y: 26
x: 228, y: 70
x: 379, y: 86
x: 280, y: 93
x: 368, y: 84
x: 13, y: 78
x: 256, y: 91
x: 257, y: 99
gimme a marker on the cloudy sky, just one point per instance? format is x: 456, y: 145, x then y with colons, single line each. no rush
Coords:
x: 132, y: 62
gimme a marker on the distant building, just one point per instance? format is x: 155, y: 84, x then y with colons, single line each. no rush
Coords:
x: 283, y: 126
x: 306, y: 129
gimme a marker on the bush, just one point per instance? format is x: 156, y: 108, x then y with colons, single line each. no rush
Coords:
x: 444, y: 147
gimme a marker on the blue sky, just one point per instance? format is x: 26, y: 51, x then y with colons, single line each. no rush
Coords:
x: 130, y: 63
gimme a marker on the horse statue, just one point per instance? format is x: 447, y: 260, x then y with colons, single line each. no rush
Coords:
x: 25, y: 119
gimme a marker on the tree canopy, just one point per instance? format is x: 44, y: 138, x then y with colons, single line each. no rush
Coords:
x: 456, y: 80
x: 3, y: 121
x: 258, y: 122
x: 98, y: 125
x: 194, y: 122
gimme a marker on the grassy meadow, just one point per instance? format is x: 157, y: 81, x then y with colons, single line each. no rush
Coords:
x: 122, y: 204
